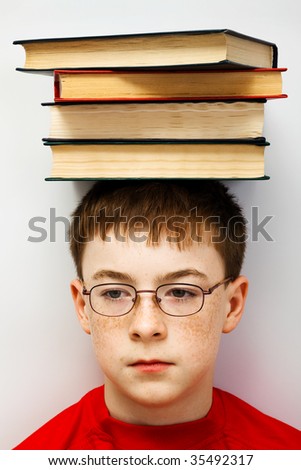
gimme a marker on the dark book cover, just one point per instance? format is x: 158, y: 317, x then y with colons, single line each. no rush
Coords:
x: 221, y: 64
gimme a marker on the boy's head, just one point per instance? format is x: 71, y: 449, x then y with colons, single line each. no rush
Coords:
x: 158, y: 266
x: 179, y: 212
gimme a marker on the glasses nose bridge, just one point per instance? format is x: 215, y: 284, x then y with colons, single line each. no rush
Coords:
x: 147, y: 291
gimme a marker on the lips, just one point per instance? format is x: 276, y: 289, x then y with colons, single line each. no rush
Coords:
x: 152, y: 365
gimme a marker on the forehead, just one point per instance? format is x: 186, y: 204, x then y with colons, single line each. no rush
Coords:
x: 141, y: 261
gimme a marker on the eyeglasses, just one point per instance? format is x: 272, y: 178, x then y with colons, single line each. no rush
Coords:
x: 176, y: 299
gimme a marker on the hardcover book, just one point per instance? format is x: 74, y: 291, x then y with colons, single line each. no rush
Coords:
x: 158, y: 159
x: 218, y: 48
x: 156, y: 120
x: 105, y: 85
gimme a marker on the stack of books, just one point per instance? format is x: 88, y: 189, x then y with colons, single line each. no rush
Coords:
x: 158, y: 105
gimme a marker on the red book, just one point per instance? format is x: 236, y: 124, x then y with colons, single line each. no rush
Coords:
x: 171, y: 85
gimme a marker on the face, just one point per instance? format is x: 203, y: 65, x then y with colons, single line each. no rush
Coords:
x: 152, y: 360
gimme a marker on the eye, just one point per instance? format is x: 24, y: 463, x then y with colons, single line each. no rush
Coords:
x: 113, y: 294
x: 116, y: 294
x: 180, y: 293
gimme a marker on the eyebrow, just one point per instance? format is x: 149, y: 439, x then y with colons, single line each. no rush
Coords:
x: 176, y: 275
x: 116, y: 275
x: 124, y: 277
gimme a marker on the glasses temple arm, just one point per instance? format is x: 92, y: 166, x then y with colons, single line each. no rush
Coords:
x: 211, y: 289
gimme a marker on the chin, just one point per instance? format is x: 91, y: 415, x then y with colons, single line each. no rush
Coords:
x: 154, y: 395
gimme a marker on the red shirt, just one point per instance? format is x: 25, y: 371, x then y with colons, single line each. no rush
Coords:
x: 230, y: 424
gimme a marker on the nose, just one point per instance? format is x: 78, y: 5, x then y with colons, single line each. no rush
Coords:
x: 147, y: 321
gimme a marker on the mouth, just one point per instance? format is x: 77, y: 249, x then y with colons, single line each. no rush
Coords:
x: 152, y: 365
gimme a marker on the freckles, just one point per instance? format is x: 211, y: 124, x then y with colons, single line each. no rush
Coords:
x: 202, y: 331
x: 205, y: 322
x: 105, y: 334
x: 106, y: 325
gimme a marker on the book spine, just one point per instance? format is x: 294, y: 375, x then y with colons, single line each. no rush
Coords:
x: 57, y: 91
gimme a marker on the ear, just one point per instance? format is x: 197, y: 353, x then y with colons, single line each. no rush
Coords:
x: 237, y: 294
x: 80, y: 305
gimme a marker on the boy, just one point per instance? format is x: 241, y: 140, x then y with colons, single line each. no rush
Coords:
x: 159, y: 281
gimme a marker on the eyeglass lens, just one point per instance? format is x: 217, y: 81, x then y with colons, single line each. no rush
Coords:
x: 173, y: 299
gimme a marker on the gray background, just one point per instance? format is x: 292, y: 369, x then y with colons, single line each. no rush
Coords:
x: 46, y: 361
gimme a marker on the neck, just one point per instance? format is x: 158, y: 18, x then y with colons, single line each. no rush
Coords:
x: 193, y: 406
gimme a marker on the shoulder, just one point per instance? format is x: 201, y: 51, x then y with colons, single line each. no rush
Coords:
x: 73, y: 428
x: 253, y: 429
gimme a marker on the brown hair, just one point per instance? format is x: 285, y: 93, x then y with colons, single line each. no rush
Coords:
x: 182, y: 211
